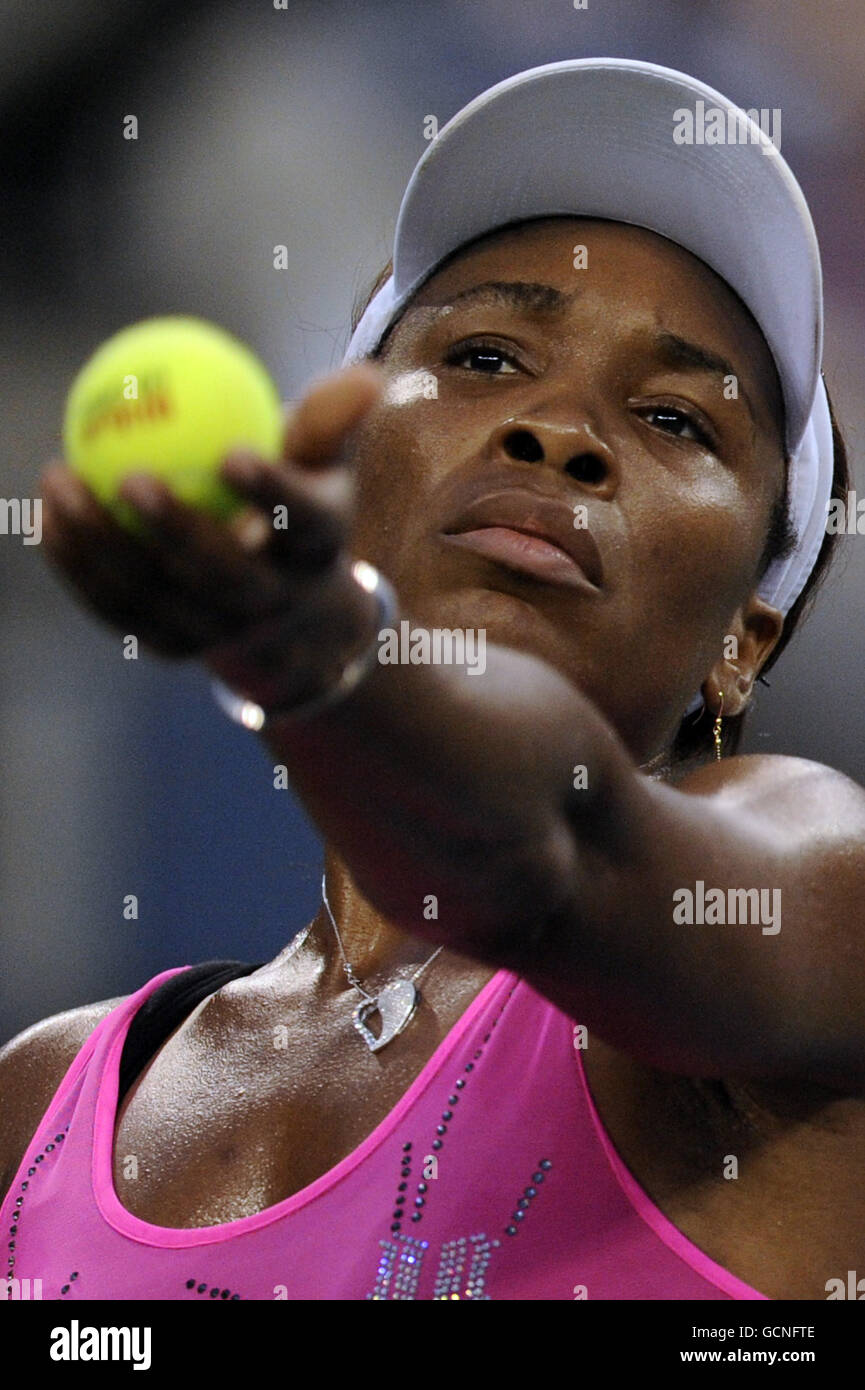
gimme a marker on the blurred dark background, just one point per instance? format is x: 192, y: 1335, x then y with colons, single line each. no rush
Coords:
x: 259, y: 126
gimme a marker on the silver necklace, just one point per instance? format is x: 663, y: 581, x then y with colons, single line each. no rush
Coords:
x: 395, y: 1004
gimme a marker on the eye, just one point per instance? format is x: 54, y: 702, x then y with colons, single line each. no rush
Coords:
x: 483, y: 353
x: 675, y: 421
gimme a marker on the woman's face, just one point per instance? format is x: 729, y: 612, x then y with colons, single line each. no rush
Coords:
x: 583, y: 396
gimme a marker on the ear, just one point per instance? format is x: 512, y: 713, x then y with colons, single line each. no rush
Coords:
x: 746, y: 646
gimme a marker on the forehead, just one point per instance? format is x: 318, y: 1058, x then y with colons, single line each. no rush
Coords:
x: 629, y: 270
x: 647, y: 267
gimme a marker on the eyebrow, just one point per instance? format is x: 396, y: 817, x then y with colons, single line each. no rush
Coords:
x: 681, y: 355
x: 678, y: 353
x: 527, y: 295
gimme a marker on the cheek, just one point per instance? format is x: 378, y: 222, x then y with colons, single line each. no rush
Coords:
x: 694, y: 555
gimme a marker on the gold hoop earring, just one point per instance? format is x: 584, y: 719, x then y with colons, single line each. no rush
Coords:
x: 717, y: 729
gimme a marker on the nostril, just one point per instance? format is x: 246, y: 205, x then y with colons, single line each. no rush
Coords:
x: 587, y: 468
x: 522, y: 445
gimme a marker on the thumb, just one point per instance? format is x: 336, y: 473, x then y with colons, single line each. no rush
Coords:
x: 316, y: 427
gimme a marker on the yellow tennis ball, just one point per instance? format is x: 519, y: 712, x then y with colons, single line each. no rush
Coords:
x: 171, y: 397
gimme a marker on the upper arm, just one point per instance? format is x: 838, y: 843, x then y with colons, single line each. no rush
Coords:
x: 32, y: 1065
x: 782, y: 996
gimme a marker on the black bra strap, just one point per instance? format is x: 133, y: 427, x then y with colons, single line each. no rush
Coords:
x: 167, y: 1007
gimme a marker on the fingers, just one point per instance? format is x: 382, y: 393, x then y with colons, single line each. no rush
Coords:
x: 330, y: 409
x: 200, y: 556
x: 307, y: 514
x: 311, y: 515
x: 118, y: 575
x: 186, y: 582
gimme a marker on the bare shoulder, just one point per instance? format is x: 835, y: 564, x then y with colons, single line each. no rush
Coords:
x: 795, y: 792
x: 32, y: 1065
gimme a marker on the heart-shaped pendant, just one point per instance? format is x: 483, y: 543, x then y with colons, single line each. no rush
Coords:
x: 395, y: 1005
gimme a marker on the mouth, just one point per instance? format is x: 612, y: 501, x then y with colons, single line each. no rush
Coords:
x: 531, y: 534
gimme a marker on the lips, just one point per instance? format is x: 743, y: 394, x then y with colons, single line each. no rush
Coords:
x: 529, y: 532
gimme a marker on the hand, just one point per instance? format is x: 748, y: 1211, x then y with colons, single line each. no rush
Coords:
x: 250, y: 599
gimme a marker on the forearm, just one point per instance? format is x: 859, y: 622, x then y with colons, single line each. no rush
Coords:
x: 431, y: 780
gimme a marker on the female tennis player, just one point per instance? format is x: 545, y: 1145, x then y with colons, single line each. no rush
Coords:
x: 582, y: 1015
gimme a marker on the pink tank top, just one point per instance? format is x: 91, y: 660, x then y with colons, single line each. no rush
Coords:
x: 492, y: 1178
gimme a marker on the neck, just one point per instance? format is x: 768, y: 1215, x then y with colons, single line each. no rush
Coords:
x: 376, y: 950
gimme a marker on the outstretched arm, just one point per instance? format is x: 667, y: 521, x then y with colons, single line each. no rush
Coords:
x: 429, y: 781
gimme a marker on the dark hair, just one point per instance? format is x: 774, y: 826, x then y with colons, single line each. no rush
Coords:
x: 694, y: 741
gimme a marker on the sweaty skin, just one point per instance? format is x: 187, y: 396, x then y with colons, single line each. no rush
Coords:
x: 580, y: 404
x: 583, y: 387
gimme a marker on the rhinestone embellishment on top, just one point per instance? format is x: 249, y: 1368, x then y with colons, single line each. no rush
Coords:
x: 463, y: 1261
x: 51, y: 1148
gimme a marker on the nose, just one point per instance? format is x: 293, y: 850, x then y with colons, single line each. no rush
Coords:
x: 573, y: 449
